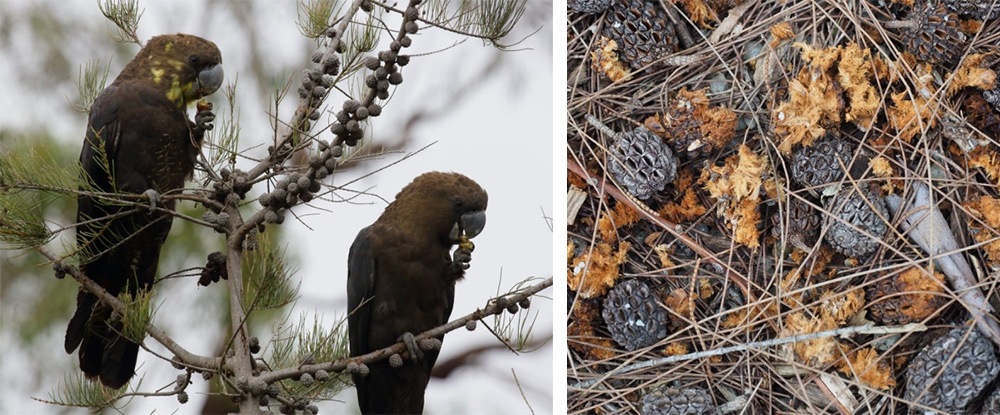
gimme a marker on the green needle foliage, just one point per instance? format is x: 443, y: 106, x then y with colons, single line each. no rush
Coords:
x: 21, y: 223
x: 267, y: 277
x: 517, y: 330
x: 364, y: 37
x: 125, y: 14
x: 314, y: 17
x: 223, y: 141
x: 489, y: 20
x: 92, y: 80
x: 25, y: 178
x: 78, y: 391
x: 138, y: 314
x: 295, y: 345
x: 30, y: 169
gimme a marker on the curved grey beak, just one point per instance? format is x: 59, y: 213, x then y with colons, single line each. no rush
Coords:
x: 469, y: 225
x: 210, y: 79
x: 472, y: 223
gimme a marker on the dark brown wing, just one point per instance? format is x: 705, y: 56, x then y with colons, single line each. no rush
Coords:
x: 136, y: 140
x: 360, y: 286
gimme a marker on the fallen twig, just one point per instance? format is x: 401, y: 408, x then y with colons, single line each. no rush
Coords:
x: 925, y: 224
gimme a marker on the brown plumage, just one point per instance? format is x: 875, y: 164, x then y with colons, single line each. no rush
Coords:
x: 139, y: 125
x: 401, y: 279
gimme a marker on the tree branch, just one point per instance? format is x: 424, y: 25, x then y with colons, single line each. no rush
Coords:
x: 242, y: 361
x: 494, y: 307
x: 187, y: 358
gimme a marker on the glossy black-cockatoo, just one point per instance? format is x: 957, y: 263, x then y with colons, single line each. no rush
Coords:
x: 401, y: 282
x: 139, y: 140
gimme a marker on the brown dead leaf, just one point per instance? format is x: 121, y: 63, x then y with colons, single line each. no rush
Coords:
x: 986, y: 158
x: 687, y: 210
x: 746, y: 218
x: 855, y: 71
x: 973, y: 73
x: 705, y: 288
x: 841, y: 306
x: 816, y: 352
x: 739, y: 178
x: 600, y: 266
x: 881, y: 167
x: 781, y: 31
x: 867, y: 367
x: 969, y: 27
x: 699, y: 12
x: 605, y: 60
x: 675, y: 349
x: 986, y: 210
x: 664, y: 254
x: 681, y: 302
x: 580, y: 332
x: 908, y: 117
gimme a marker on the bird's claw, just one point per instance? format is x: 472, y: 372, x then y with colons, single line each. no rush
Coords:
x: 411, y: 345
x: 204, y: 118
x: 460, y: 259
x: 154, y: 199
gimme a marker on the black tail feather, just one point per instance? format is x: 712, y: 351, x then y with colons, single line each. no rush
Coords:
x: 104, y: 353
x: 92, y: 348
x: 78, y: 324
x: 118, y: 362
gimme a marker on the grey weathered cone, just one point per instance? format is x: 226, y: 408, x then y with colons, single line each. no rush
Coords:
x: 684, y: 133
x: 821, y: 163
x: 976, y: 9
x: 894, y: 301
x: 933, y: 35
x: 634, y: 315
x: 992, y: 404
x: 951, y: 372
x: 641, y: 162
x: 799, y: 222
x: 642, y: 30
x: 858, y: 209
x: 677, y: 401
x: 588, y: 6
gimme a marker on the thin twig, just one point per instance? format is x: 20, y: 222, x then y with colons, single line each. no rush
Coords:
x: 841, y: 332
x: 186, y: 357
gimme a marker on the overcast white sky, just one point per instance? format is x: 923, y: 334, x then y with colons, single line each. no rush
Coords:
x: 500, y: 135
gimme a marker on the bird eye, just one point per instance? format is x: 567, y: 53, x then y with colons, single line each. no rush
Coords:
x: 194, y: 59
x: 457, y: 203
